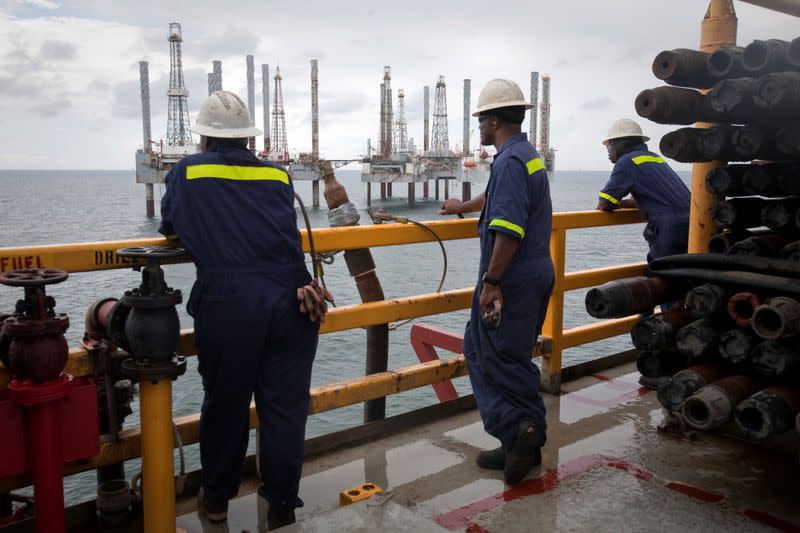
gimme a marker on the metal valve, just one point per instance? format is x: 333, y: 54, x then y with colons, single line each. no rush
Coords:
x: 32, y: 343
x: 145, y: 323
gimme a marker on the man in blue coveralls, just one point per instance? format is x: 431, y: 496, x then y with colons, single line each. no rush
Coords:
x: 235, y: 215
x: 515, y: 279
x: 657, y: 191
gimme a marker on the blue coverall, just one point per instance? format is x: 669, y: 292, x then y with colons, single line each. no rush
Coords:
x: 504, y: 379
x: 661, y: 196
x: 235, y: 215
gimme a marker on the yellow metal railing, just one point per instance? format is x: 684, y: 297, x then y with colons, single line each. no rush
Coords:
x: 101, y: 256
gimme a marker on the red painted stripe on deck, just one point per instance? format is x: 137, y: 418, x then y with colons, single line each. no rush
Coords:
x: 462, y: 516
x: 475, y: 528
x: 694, y: 492
x: 772, y: 521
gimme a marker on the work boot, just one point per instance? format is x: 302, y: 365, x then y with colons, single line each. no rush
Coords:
x: 277, y: 519
x: 492, y: 459
x: 215, y: 510
x: 524, y: 453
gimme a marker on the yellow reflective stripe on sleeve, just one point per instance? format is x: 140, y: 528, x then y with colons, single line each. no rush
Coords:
x: 508, y: 225
x: 227, y: 172
x: 609, y: 198
x: 534, y: 165
x: 647, y: 159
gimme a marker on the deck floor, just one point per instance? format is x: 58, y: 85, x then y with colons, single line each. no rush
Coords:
x: 605, y: 468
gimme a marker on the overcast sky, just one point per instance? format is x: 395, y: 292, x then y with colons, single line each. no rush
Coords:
x: 69, y: 78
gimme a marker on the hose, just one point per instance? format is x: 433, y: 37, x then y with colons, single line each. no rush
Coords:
x: 382, y: 216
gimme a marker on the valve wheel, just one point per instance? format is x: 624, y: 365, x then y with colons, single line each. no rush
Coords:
x: 33, y: 277
x: 151, y: 252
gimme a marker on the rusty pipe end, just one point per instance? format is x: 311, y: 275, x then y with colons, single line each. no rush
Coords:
x: 776, y: 318
x: 96, y: 318
x: 741, y: 307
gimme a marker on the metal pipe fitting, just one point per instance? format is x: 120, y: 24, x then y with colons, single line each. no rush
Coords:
x: 791, y: 252
x: 768, y: 412
x: 760, y: 57
x: 777, y: 318
x: 656, y: 364
x: 713, y: 405
x: 736, y: 345
x: 658, y: 332
x: 741, y: 307
x: 726, y: 63
x: 672, y: 394
x: 700, y: 338
x: 727, y: 180
x: 706, y: 300
x: 778, y: 92
x: 780, y: 214
x: 739, y: 213
x: 776, y: 358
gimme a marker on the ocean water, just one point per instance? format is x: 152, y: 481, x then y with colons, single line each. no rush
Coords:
x: 47, y: 207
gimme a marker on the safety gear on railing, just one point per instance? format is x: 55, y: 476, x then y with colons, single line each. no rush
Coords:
x: 500, y: 93
x: 623, y: 128
x: 223, y: 115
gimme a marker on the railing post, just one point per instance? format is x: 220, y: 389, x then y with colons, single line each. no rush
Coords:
x: 717, y: 29
x: 554, y: 321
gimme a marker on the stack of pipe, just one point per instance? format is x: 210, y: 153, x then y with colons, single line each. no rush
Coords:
x: 729, y: 351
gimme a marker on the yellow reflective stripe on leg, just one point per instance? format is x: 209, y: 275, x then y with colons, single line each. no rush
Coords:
x: 609, y: 198
x: 534, y: 165
x: 639, y: 159
x: 227, y: 172
x: 508, y: 225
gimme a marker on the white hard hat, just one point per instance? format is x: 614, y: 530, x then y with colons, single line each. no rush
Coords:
x: 625, y: 127
x: 224, y: 115
x: 500, y: 93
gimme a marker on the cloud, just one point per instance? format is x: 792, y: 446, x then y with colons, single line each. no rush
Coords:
x: 52, y: 108
x: 598, y: 103
x: 58, y: 50
x: 232, y: 41
x: 44, y: 4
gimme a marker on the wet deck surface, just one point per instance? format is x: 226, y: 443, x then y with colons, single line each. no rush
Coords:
x: 605, y: 468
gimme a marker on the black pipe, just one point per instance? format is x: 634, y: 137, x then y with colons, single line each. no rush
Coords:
x: 713, y: 405
x: 732, y: 101
x: 788, y: 139
x: 737, y: 345
x: 762, y: 265
x: 673, y: 105
x: 768, y: 412
x: 780, y: 179
x: 739, y: 213
x: 776, y: 358
x: 720, y: 242
x: 750, y: 280
x: 779, y: 92
x: 727, y: 180
x: 761, y: 57
x: 656, y: 364
x: 768, y: 245
x: 754, y: 142
x: 791, y: 252
x: 626, y: 297
x: 777, y: 318
x: 658, y: 332
x: 780, y: 214
x: 699, y: 339
x: 793, y: 53
x: 683, y: 384
x: 726, y: 63
x: 706, y: 300
x: 683, y: 67
x: 683, y: 145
